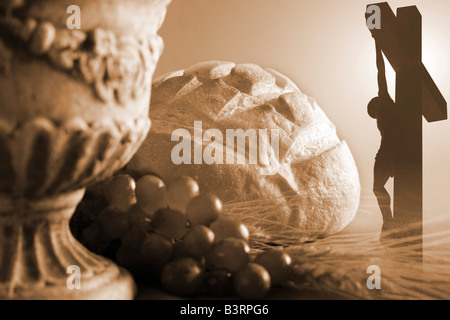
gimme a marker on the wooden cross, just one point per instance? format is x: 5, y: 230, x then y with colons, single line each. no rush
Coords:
x: 400, y: 39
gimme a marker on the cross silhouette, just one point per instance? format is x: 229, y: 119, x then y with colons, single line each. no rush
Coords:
x: 400, y: 39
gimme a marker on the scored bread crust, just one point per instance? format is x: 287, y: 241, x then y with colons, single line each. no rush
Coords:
x: 316, y: 188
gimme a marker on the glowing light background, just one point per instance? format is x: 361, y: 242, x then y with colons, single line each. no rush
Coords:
x: 324, y: 47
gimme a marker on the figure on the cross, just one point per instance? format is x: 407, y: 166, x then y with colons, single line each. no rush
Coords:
x: 382, y: 108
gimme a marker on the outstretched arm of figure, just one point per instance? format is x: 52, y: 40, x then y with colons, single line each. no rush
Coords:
x: 382, y: 84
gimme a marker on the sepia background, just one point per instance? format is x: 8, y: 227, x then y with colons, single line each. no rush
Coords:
x: 326, y: 49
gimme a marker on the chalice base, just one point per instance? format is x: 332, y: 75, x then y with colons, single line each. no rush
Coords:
x: 40, y: 258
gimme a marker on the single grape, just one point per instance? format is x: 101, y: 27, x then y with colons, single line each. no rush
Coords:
x: 225, y: 228
x: 219, y: 282
x: 156, y: 250
x: 113, y: 222
x: 199, y: 241
x: 182, y: 277
x: 170, y: 223
x: 181, y: 191
x: 277, y: 263
x: 151, y: 194
x: 231, y: 254
x: 120, y: 191
x: 204, y: 209
x: 252, y: 282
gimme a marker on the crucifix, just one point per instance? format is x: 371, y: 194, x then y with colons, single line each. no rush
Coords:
x: 400, y: 39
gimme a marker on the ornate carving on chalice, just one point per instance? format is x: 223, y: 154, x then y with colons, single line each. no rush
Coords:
x: 73, y: 109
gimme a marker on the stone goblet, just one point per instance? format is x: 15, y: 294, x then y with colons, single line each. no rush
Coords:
x: 74, y: 109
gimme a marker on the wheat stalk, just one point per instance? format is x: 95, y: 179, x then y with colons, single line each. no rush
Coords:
x: 337, y: 265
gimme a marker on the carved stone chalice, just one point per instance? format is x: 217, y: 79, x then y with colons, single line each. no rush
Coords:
x: 73, y: 109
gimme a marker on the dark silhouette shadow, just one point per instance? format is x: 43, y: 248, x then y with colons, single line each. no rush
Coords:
x: 382, y: 108
x: 400, y: 156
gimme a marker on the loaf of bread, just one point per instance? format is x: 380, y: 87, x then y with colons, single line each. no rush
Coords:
x: 309, y: 184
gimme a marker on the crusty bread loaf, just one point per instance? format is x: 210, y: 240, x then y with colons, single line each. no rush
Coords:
x: 315, y: 189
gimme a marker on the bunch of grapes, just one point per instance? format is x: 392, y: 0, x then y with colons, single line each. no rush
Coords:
x: 182, y: 239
